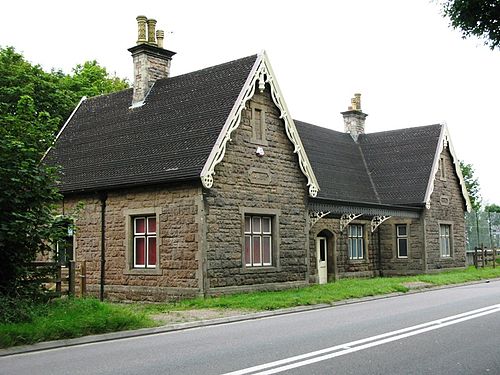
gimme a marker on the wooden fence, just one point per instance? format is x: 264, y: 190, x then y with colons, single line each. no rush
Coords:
x: 60, y: 279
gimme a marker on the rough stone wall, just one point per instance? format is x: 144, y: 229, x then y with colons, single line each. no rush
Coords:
x: 415, y: 262
x: 389, y: 263
x: 179, y: 270
x: 447, y: 207
x: 148, y: 69
x: 243, y: 181
x: 338, y: 247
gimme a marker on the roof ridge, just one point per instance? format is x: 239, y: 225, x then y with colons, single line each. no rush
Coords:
x: 368, y: 173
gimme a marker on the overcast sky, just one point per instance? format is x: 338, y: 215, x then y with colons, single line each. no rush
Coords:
x: 410, y: 67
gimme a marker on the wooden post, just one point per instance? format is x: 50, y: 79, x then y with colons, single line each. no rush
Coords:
x: 71, y: 278
x: 83, y: 279
x: 483, y: 255
x: 58, y: 280
x: 476, y: 263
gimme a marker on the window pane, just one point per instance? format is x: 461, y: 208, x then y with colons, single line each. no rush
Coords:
x: 248, y: 257
x: 266, y: 250
x: 140, y: 225
x: 266, y: 225
x: 352, y: 231
x: 152, y: 225
x: 360, y: 248
x: 360, y: 231
x: 256, y: 251
x: 248, y: 228
x: 152, y: 251
x: 139, y: 251
x: 350, y: 248
x: 322, y: 250
x: 255, y: 224
x: 401, y: 230
x: 403, y: 247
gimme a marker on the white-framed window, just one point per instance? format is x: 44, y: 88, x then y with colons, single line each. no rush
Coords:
x: 444, y: 240
x: 402, y: 240
x: 258, y: 241
x: 356, y: 242
x: 144, y: 242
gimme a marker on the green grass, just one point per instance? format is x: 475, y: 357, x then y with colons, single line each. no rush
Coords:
x: 69, y: 318
x: 74, y: 317
x: 332, y: 292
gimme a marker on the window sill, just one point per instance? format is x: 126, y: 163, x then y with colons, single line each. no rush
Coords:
x: 263, y: 269
x: 143, y: 271
x: 260, y: 142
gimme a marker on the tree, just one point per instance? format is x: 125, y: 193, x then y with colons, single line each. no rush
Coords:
x: 53, y: 92
x: 33, y: 105
x: 472, y: 185
x: 492, y: 208
x: 27, y: 196
x: 480, y: 18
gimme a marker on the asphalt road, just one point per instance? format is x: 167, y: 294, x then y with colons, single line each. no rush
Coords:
x: 448, y: 331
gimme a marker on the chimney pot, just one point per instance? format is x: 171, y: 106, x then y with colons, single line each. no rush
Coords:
x: 141, y: 29
x: 354, y: 118
x: 160, y: 35
x: 151, y: 31
x: 151, y: 61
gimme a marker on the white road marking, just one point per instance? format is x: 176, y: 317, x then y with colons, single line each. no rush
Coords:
x: 369, y: 342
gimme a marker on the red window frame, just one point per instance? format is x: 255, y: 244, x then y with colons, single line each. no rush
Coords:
x: 144, y: 242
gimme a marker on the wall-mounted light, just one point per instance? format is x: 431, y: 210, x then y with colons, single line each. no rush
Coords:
x: 259, y: 151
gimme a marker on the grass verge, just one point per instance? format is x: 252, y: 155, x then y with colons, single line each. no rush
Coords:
x: 74, y: 317
x: 328, y: 293
x: 69, y: 318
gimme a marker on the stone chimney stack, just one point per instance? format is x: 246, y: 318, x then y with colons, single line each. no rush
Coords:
x: 151, y: 61
x: 354, y: 118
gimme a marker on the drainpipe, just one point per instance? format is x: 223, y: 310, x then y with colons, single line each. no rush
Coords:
x: 102, y: 197
x: 380, y: 273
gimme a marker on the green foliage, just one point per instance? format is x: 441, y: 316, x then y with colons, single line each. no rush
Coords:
x: 68, y: 318
x: 480, y: 18
x: 492, y: 208
x: 472, y: 185
x: 53, y: 92
x: 33, y: 105
x: 27, y: 196
x: 90, y: 79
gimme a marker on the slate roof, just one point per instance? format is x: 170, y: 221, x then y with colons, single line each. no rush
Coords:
x: 106, y: 144
x: 169, y: 138
x: 391, y: 167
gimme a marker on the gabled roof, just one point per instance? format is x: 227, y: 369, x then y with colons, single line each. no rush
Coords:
x: 106, y: 144
x: 389, y: 168
x: 179, y: 133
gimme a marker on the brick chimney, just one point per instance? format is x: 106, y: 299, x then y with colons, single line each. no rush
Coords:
x: 354, y: 118
x: 151, y: 60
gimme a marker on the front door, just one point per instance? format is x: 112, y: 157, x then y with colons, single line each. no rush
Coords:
x: 321, y: 254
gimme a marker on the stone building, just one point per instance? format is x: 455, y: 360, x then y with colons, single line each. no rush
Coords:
x: 203, y: 184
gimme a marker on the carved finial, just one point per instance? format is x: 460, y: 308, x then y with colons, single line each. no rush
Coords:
x: 141, y: 29
x: 151, y: 31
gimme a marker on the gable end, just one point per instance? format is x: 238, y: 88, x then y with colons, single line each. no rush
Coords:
x: 261, y: 73
x: 444, y: 139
